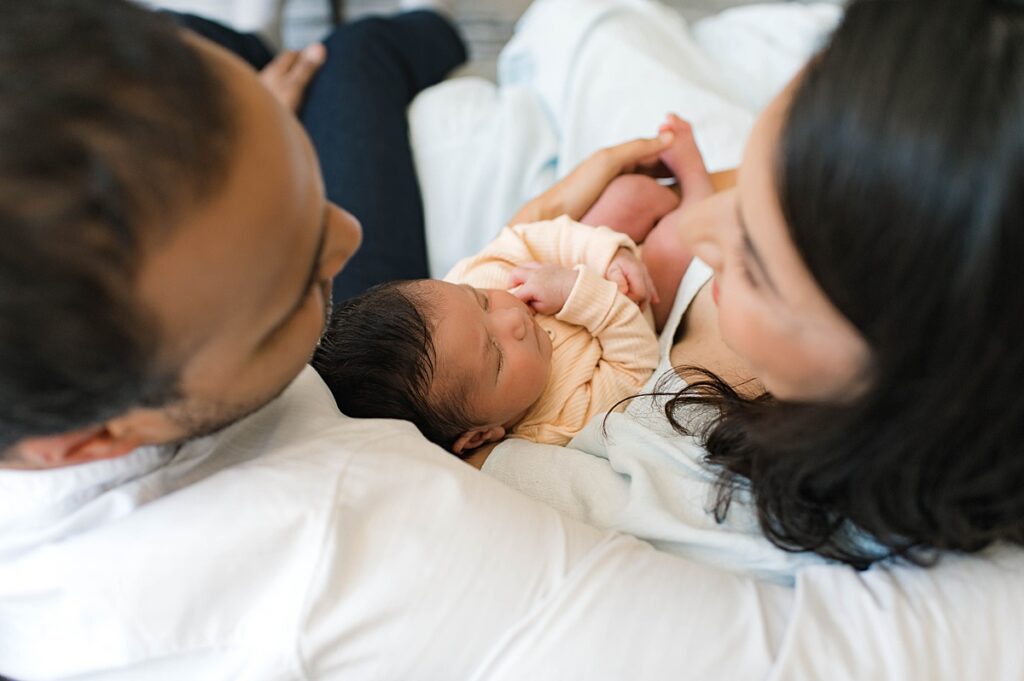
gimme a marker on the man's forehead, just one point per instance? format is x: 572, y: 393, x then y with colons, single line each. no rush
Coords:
x: 229, y: 256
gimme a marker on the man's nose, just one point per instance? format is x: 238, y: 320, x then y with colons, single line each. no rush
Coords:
x: 343, y: 236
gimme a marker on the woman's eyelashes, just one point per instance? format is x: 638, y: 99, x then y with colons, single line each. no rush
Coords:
x: 743, y: 267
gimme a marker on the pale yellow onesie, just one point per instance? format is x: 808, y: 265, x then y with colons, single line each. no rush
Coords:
x: 604, y: 348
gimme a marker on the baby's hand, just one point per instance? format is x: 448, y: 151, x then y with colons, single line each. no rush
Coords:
x: 632, y: 278
x: 545, y: 288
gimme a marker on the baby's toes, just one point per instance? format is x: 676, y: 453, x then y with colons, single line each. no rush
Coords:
x: 309, y: 60
x: 683, y: 157
x: 290, y: 72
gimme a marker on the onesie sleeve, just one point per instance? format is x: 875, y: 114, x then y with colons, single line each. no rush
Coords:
x: 629, y: 347
x: 557, y: 242
x: 568, y: 243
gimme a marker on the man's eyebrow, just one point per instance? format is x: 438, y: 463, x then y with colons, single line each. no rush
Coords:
x: 748, y: 245
x: 314, y: 268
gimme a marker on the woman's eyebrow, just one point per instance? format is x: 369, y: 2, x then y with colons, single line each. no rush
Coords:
x: 748, y: 245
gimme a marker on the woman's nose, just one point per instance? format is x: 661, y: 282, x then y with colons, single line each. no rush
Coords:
x: 702, y: 228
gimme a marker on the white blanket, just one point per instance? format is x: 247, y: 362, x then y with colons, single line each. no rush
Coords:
x: 577, y: 76
x: 633, y: 473
x: 583, y: 74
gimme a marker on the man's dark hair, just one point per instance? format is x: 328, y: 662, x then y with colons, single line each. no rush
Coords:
x: 899, y: 169
x: 378, y: 359
x: 110, y: 125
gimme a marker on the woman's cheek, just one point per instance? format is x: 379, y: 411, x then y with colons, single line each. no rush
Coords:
x: 746, y: 327
x: 732, y: 323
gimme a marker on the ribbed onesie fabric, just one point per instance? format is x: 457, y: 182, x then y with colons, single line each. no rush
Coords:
x: 604, y: 349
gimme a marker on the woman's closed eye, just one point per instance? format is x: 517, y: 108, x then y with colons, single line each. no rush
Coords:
x: 744, y: 267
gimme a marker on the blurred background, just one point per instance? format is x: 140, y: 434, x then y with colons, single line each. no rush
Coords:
x: 486, y: 24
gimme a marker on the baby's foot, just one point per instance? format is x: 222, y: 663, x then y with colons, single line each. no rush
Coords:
x: 684, y: 160
x: 288, y: 74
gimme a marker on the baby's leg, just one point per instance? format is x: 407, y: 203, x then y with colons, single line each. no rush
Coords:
x: 631, y: 204
x: 664, y: 252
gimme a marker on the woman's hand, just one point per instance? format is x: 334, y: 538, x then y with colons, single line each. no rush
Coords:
x: 545, y: 288
x: 574, y: 194
x: 632, y: 278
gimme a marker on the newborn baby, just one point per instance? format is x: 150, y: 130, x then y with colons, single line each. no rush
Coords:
x: 531, y: 338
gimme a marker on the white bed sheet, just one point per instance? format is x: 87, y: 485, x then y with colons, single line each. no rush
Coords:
x: 583, y: 74
x: 569, y: 85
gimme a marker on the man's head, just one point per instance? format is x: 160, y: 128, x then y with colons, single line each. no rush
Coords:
x: 170, y: 249
x: 463, y: 364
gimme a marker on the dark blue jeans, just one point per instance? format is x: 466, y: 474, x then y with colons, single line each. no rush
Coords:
x: 354, y: 112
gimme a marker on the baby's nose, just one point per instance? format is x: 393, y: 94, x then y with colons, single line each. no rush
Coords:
x: 519, y: 328
x: 514, y: 320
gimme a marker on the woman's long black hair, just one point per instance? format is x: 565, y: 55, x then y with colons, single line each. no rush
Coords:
x: 900, y: 171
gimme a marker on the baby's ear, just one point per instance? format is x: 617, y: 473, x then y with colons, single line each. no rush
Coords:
x: 477, y: 437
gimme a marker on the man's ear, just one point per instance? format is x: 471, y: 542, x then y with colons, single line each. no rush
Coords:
x: 78, y: 446
x: 472, y: 439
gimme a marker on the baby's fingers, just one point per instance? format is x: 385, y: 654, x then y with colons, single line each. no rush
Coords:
x: 638, y: 291
x: 520, y: 275
x: 617, y: 276
x: 652, y: 290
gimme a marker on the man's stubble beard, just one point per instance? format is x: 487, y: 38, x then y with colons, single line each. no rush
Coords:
x: 202, y: 419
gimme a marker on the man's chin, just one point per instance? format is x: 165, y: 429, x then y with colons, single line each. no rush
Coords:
x: 198, y: 420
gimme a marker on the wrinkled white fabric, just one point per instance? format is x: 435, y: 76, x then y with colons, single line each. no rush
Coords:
x: 301, y: 544
x: 640, y: 476
x: 579, y: 75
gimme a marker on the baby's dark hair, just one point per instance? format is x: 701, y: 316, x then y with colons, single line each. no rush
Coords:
x: 379, y: 361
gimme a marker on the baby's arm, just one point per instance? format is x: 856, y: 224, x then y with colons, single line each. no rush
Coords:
x: 561, y: 242
x: 629, y: 348
x: 568, y: 243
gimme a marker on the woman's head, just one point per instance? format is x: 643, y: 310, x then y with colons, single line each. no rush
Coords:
x: 880, y: 192
x: 463, y: 364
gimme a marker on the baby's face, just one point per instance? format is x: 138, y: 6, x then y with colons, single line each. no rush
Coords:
x: 489, y: 349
